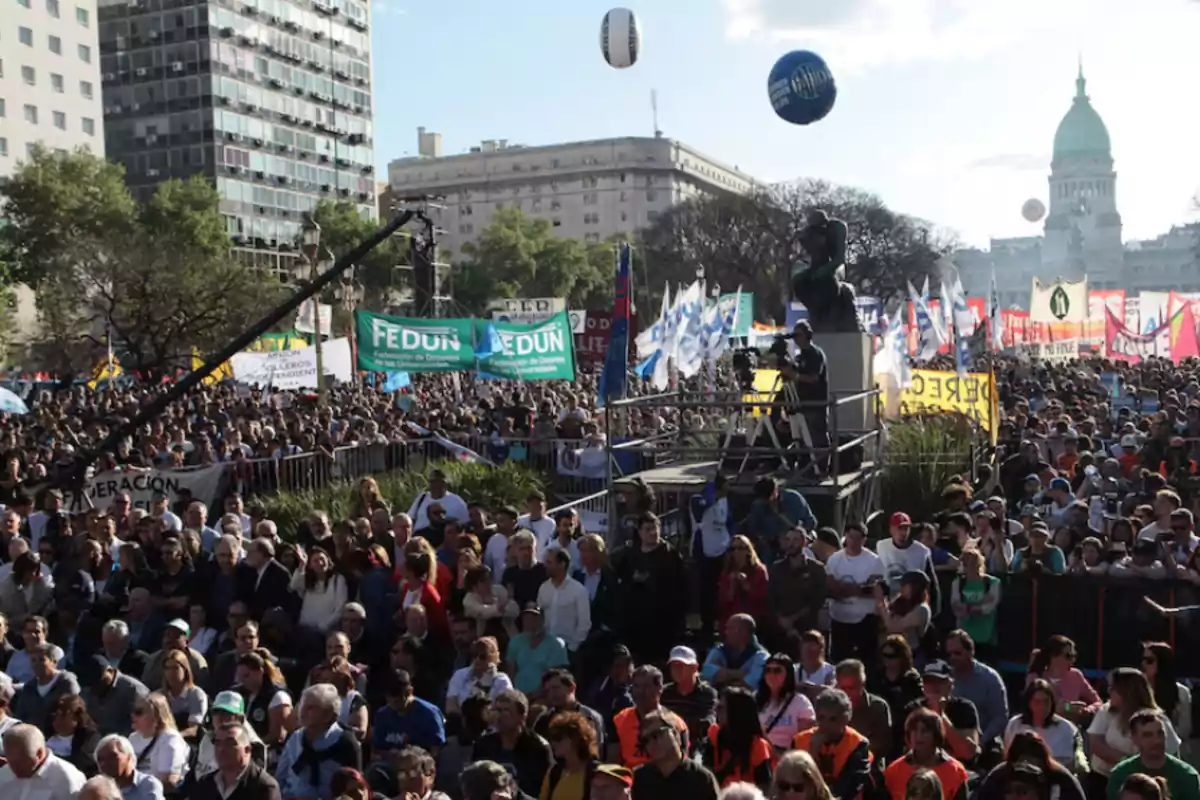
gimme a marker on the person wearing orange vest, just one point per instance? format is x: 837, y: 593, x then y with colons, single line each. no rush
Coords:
x: 647, y: 694
x: 737, y: 750
x: 842, y: 753
x: 926, y: 741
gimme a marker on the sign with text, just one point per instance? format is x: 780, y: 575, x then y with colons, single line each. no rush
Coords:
x: 592, y: 343
x: 203, y: 483
x: 294, y: 369
x: 934, y: 390
x: 534, y: 309
x: 539, y: 351
x: 1056, y: 352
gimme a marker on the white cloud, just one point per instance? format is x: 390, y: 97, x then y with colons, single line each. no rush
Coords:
x: 858, y: 34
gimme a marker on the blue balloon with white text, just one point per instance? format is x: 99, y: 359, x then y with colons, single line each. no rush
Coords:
x: 802, y: 88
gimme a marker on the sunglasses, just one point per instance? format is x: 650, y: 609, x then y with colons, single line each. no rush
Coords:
x: 788, y: 786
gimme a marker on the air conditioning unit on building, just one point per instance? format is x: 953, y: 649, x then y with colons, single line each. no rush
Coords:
x: 258, y: 173
x: 136, y: 107
x: 151, y: 173
x: 140, y: 72
x: 109, y: 76
x: 151, y: 138
x: 177, y: 66
x: 258, y: 142
x: 154, y: 35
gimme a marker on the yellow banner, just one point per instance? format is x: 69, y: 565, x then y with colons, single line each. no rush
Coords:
x: 932, y: 390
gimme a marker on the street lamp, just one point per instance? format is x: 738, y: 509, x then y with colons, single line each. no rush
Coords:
x: 310, y: 249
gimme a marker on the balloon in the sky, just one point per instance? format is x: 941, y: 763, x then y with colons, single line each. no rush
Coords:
x: 801, y: 87
x: 1033, y: 210
x: 620, y: 38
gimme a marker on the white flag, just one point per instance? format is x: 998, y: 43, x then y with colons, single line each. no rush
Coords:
x: 1061, y: 301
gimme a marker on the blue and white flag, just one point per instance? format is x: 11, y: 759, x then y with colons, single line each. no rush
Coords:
x: 651, y: 340
x: 490, y: 343
x: 397, y: 381
x: 995, y: 318
x: 930, y: 337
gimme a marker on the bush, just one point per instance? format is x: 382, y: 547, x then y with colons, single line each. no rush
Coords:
x: 923, y: 453
x: 505, y: 484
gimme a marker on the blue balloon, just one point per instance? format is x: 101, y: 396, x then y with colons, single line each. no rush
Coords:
x: 801, y: 87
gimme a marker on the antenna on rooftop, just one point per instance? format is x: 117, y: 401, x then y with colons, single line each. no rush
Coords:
x: 654, y: 112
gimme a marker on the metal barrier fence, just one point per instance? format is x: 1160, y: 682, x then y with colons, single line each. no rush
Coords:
x: 318, y: 470
x: 1107, y: 617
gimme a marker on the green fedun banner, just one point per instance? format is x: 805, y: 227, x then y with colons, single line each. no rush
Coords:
x: 537, y: 351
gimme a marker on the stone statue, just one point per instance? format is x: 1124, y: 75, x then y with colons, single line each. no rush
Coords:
x: 821, y: 285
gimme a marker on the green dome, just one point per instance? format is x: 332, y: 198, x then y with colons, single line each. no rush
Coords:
x: 1082, y: 133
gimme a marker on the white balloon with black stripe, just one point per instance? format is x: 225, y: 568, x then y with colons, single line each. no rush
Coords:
x: 620, y: 38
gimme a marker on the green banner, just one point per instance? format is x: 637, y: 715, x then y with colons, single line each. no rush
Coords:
x: 537, y: 351
x: 400, y: 344
x: 745, y: 319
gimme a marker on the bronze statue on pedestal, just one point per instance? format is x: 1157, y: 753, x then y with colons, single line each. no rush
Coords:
x: 821, y: 284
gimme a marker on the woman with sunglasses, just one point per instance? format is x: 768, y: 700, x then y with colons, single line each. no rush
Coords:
x: 897, y: 683
x: 797, y: 777
x: 737, y: 750
x: 1173, y: 697
x: 1025, y: 750
x: 1055, y: 663
x: 783, y: 710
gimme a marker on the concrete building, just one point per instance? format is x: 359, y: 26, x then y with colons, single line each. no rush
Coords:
x: 268, y: 99
x: 49, y: 78
x: 586, y: 190
x: 1082, y: 229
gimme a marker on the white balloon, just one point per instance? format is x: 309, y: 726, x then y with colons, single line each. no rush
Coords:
x: 1033, y: 210
x: 620, y: 38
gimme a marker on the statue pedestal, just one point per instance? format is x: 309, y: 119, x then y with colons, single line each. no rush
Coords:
x: 850, y: 361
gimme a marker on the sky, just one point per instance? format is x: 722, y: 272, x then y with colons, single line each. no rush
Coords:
x: 946, y: 108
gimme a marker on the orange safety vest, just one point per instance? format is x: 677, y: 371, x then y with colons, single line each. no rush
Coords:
x: 629, y: 729
x: 1191, y: 464
x: 833, y: 756
x: 760, y: 752
x: 950, y: 771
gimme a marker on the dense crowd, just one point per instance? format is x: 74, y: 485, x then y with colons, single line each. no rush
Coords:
x: 462, y: 649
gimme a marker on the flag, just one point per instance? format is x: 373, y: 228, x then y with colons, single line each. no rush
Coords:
x: 651, y: 340
x: 105, y: 370
x: 995, y: 319
x: 930, y: 337
x: 490, y: 344
x: 458, y: 451
x: 645, y: 369
x: 221, y: 373
x: 614, y: 378
x: 1059, y: 302
x: 397, y: 381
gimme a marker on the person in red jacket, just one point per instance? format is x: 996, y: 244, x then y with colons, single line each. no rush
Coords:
x: 742, y: 588
x: 417, y: 588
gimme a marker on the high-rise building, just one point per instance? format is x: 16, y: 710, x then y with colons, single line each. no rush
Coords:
x: 586, y: 190
x: 50, y: 65
x: 268, y: 99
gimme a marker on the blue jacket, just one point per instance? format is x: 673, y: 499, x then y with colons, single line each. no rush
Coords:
x: 750, y: 661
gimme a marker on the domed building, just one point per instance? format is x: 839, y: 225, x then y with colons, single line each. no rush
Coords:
x: 1082, y: 229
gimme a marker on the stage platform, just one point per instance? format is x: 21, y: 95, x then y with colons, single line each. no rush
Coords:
x: 691, y: 477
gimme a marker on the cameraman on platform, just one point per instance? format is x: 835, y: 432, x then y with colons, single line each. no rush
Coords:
x: 810, y: 381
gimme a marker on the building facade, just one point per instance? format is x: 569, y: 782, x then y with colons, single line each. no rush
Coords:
x: 49, y: 78
x: 1082, y: 230
x: 270, y: 100
x: 585, y: 190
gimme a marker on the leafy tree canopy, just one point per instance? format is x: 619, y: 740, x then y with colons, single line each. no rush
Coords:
x: 753, y: 241
x: 519, y: 256
x: 157, y: 279
x: 342, y: 229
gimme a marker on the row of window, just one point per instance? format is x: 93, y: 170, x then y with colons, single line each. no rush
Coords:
x: 292, y: 105
x: 57, y: 118
x: 588, y: 182
x: 57, y: 82
x: 82, y: 15
x: 349, y: 52
x: 589, y: 199
x: 249, y: 127
x: 299, y: 171
x: 25, y: 37
x: 286, y: 11
x: 280, y: 75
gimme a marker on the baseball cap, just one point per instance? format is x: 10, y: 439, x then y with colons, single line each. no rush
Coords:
x: 900, y: 519
x: 532, y: 608
x: 938, y: 669
x: 230, y: 703
x: 180, y: 626
x: 1060, y: 484
x: 1129, y: 440
x: 616, y: 772
x: 683, y: 655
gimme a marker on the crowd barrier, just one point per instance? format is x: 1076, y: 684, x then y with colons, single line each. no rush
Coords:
x: 1107, y: 618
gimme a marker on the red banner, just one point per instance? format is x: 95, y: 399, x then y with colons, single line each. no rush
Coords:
x: 591, y: 345
x: 1098, y: 300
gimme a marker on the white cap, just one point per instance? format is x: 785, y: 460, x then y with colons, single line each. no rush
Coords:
x: 1129, y: 440
x: 683, y: 655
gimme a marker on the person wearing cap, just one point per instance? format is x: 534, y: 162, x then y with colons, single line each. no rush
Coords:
x: 237, y: 776
x: 901, y: 554
x: 228, y: 710
x: 533, y: 651
x: 160, y: 511
x: 688, y: 694
x: 611, y: 782
x: 1056, y: 501
x: 1129, y: 457
x: 111, y: 697
x: 960, y: 719
x: 175, y: 637
x: 1040, y: 555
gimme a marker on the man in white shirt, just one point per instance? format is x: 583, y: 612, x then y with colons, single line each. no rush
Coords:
x: 49, y: 520
x: 1166, y: 502
x: 852, y: 573
x: 439, y: 493
x: 564, y: 602
x: 33, y: 772
x: 160, y: 511
x: 566, y: 523
x: 495, y: 554
x: 901, y: 553
x: 536, y: 520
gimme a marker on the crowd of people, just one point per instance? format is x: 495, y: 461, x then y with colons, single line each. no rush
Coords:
x: 444, y: 648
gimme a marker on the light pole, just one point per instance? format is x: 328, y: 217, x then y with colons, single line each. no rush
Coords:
x: 311, y: 250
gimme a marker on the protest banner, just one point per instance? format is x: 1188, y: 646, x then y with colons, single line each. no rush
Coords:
x: 204, y: 483
x: 527, y: 310
x: 1123, y: 344
x: 1056, y: 352
x: 592, y: 343
x: 934, y: 390
x: 311, y: 313
x: 538, y: 351
x: 294, y: 369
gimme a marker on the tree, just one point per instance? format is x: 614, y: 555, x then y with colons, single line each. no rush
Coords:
x: 156, y: 280
x: 342, y: 229
x: 752, y: 241
x: 519, y: 256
